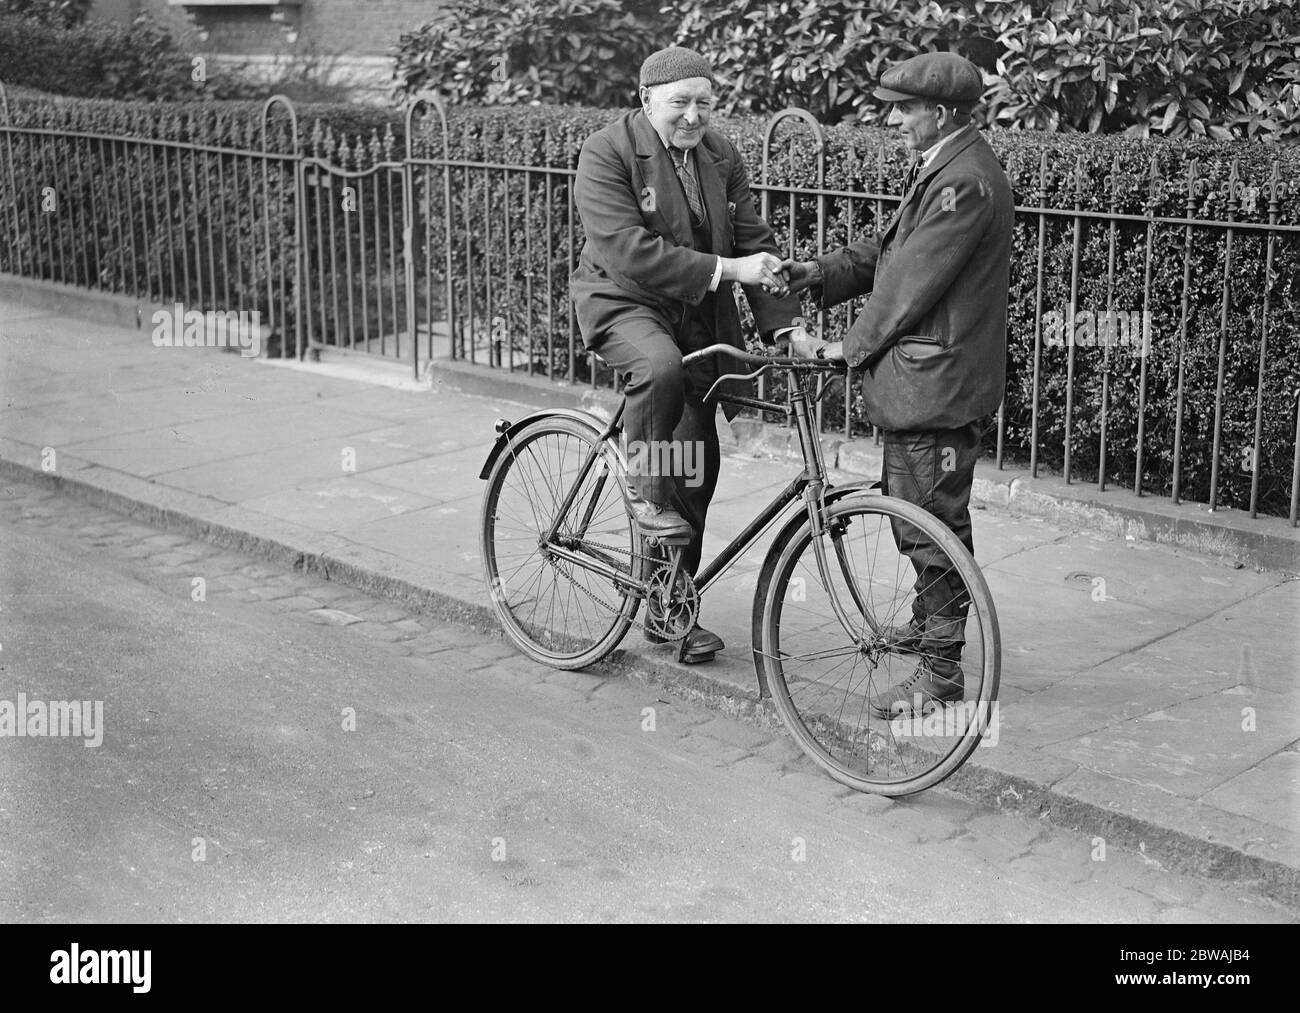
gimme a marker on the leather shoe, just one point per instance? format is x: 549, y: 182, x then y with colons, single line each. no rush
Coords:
x: 654, y: 518
x: 698, y: 646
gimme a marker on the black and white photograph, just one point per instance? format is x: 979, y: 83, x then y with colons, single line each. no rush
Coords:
x: 580, y: 462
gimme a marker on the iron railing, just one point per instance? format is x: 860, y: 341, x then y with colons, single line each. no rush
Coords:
x: 347, y: 244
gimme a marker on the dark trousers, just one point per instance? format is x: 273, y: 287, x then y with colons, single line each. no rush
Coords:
x: 934, y: 470
x: 672, y: 437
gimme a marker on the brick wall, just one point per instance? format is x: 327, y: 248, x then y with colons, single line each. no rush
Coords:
x: 322, y: 27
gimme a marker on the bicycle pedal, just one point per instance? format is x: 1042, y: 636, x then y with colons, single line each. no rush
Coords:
x: 667, y: 540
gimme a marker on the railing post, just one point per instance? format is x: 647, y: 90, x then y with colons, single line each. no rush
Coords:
x: 1038, y: 315
x: 298, y: 224
x: 1274, y: 207
x: 1233, y: 189
x: 432, y: 98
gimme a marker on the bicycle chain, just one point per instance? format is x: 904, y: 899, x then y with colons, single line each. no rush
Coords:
x: 606, y: 605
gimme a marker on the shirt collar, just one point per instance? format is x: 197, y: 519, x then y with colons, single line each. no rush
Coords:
x: 929, y: 154
x: 686, y: 152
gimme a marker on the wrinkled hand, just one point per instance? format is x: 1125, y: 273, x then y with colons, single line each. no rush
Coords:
x: 757, y: 269
x: 800, y: 274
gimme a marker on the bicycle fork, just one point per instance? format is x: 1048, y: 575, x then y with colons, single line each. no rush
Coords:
x: 815, y: 502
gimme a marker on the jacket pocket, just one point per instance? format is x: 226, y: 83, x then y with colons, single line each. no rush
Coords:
x: 919, y: 346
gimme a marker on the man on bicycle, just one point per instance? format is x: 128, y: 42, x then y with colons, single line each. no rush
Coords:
x: 931, y: 340
x: 670, y: 224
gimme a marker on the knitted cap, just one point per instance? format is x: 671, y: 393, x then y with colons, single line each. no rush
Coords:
x: 674, y: 64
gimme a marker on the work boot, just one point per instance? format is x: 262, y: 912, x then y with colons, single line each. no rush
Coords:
x: 938, y: 676
x: 933, y: 684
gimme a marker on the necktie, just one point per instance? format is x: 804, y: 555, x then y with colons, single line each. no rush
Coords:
x: 690, y: 185
x: 912, y: 173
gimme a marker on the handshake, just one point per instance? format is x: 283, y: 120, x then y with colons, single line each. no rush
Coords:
x: 780, y: 278
x: 776, y: 276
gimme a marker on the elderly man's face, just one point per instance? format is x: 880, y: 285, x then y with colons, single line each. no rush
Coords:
x: 679, y: 110
x: 919, y: 122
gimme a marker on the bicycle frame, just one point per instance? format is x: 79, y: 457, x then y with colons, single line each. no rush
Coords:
x: 811, y: 485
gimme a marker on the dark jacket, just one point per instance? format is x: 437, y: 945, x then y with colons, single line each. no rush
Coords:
x: 640, y: 252
x: 933, y: 335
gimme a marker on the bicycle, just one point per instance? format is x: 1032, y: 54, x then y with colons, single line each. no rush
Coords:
x: 568, y: 572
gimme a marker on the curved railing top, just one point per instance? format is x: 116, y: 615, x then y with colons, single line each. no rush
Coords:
x: 440, y: 107
x: 293, y: 120
x: 819, y: 135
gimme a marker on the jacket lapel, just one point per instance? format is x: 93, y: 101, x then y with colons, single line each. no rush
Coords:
x: 658, y: 172
x: 960, y: 141
x: 710, y: 175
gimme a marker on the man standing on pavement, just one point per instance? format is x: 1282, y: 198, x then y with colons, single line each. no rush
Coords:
x: 931, y: 340
x: 670, y: 224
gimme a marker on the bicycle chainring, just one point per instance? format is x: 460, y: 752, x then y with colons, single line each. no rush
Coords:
x: 671, y: 612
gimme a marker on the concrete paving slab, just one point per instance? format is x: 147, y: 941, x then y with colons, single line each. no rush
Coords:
x: 431, y: 438
x: 1129, y: 686
x: 440, y: 477
x: 422, y: 536
x: 337, y: 504
x: 1156, y: 576
x: 1050, y: 632
x: 1191, y: 747
x: 238, y: 479
x: 153, y: 452
x: 1255, y: 641
x: 1266, y: 792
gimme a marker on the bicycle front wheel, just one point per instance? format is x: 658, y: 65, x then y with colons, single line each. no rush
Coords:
x: 561, y: 601
x: 846, y: 649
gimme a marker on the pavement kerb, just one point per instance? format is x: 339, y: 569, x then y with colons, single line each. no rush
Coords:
x: 316, y: 553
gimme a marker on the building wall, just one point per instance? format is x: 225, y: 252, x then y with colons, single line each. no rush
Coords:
x: 334, y: 27
x: 347, y: 40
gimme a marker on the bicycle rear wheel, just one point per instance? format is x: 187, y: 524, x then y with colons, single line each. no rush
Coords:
x: 553, y: 607
x: 832, y: 645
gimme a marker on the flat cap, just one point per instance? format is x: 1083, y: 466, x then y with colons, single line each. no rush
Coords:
x: 674, y: 64
x: 942, y: 77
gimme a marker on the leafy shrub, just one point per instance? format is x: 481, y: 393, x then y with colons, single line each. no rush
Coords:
x: 562, y: 51
x: 1222, y: 68
x: 60, y: 12
x: 99, y: 59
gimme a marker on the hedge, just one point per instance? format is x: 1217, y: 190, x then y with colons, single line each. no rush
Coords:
x: 1178, y: 68
x: 858, y: 159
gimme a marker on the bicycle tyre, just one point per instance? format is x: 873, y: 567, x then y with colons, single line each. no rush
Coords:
x: 543, y: 611
x: 890, y: 757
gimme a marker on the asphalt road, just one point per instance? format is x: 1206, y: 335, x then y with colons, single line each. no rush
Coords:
x: 276, y: 747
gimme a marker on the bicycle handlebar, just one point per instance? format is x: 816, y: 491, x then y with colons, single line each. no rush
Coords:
x: 783, y: 361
